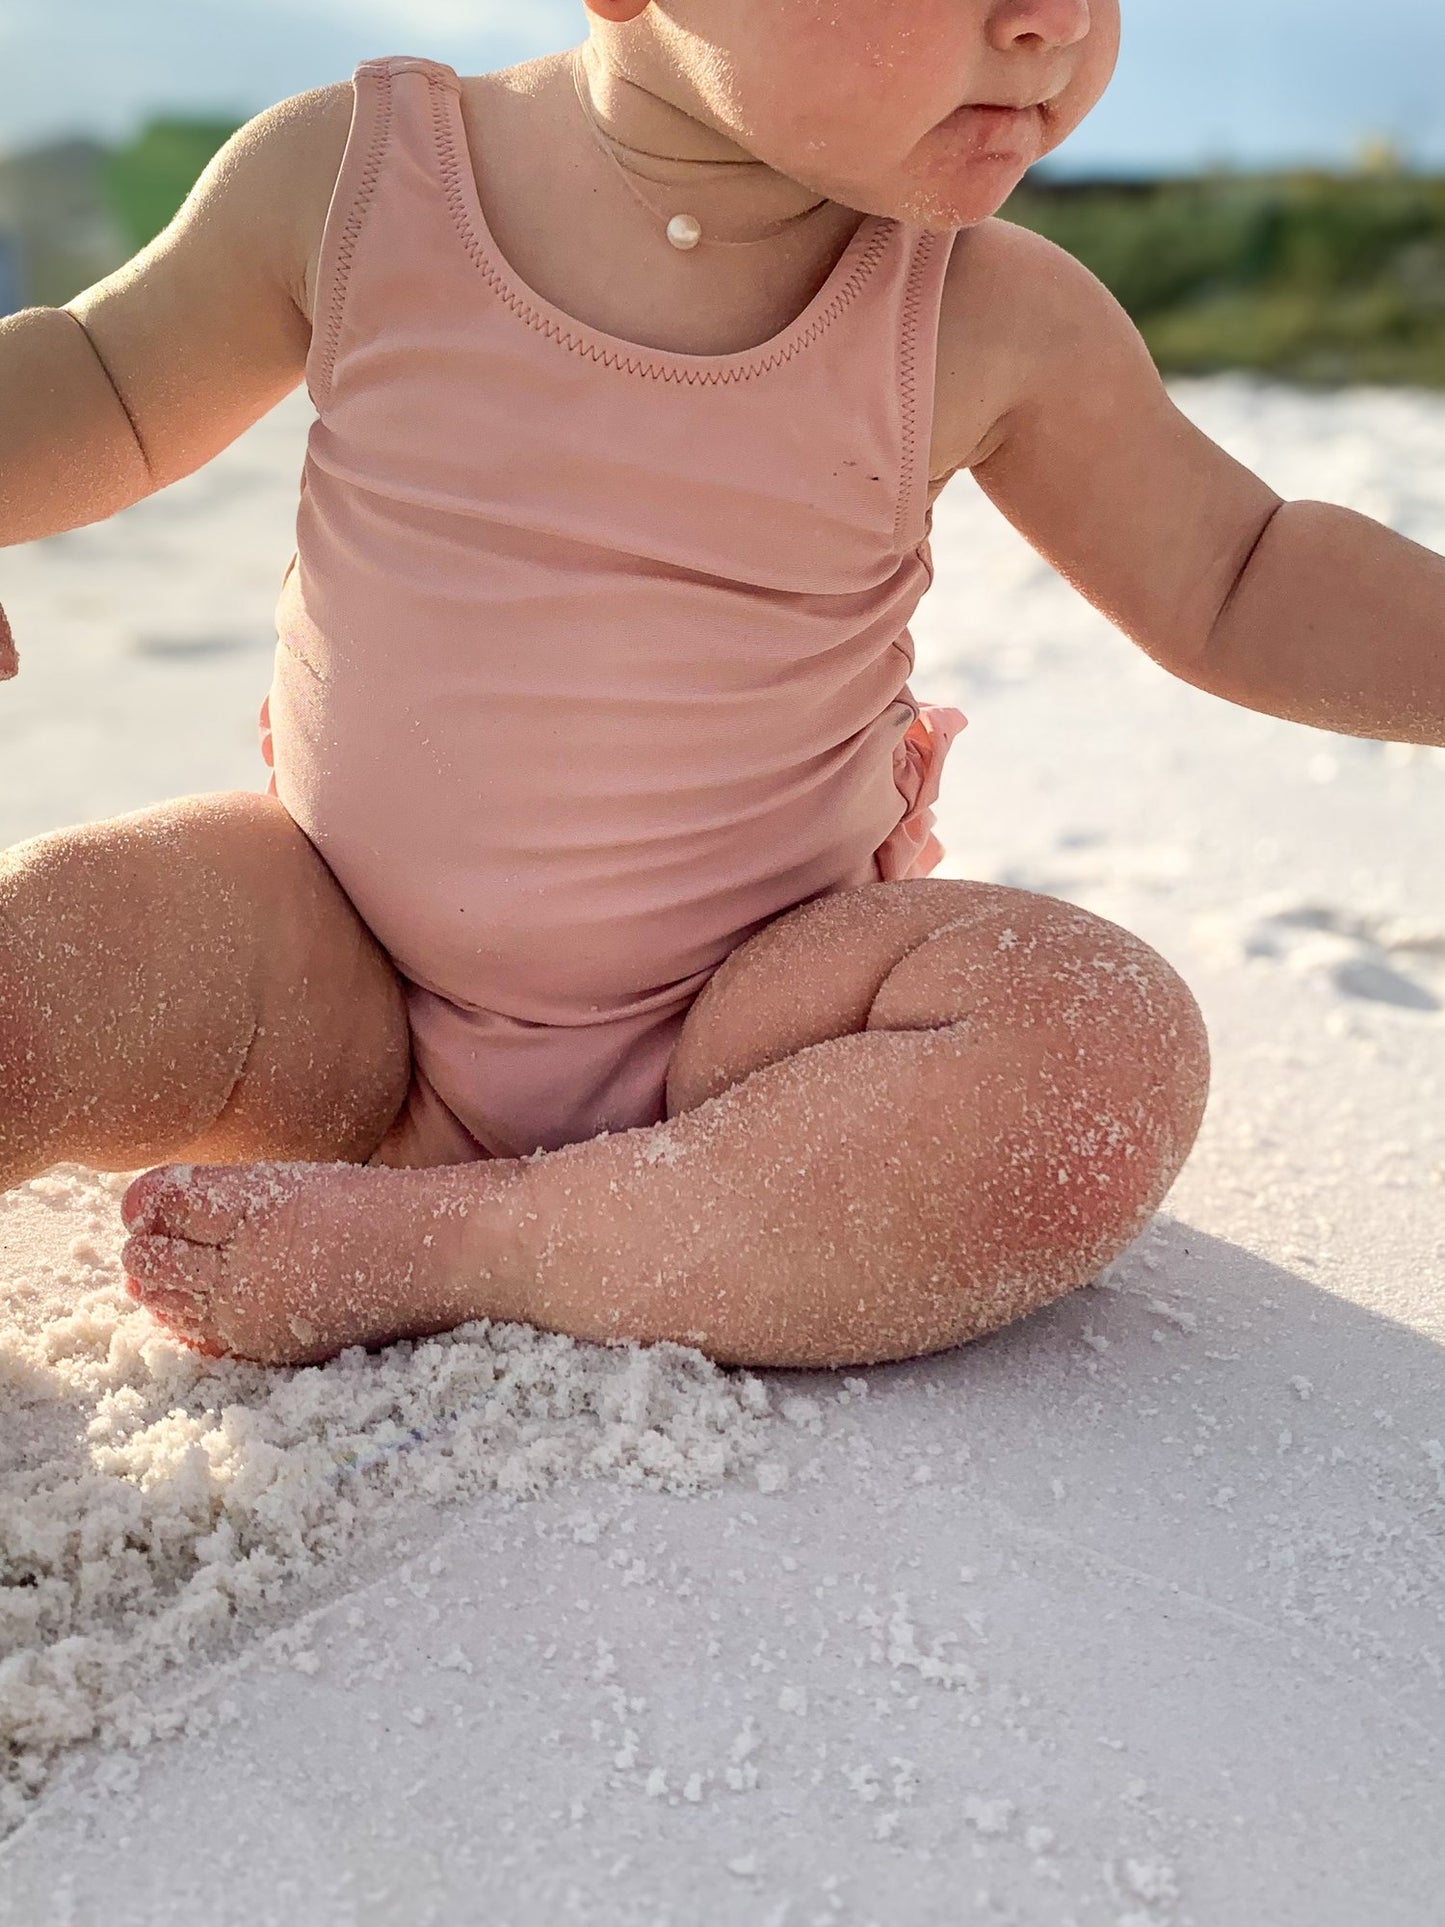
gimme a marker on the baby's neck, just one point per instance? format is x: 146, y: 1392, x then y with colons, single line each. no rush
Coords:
x: 664, y: 142
x: 566, y: 224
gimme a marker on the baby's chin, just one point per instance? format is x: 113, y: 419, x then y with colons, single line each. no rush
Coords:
x: 968, y: 203
x: 970, y: 196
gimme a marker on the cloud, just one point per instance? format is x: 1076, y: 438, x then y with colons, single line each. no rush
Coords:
x: 469, y: 17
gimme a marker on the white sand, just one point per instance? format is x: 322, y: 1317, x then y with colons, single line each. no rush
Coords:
x: 1127, y: 1618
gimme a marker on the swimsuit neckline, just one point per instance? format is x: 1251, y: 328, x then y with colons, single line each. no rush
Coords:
x: 849, y: 272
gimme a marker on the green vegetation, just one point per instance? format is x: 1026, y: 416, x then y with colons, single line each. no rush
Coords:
x: 149, y: 178
x: 1320, y: 278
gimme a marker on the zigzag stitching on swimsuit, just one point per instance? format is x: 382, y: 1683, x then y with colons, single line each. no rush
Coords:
x: 355, y: 220
x: 452, y: 187
x: 907, y: 373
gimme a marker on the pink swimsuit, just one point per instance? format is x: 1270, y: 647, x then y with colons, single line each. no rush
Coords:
x: 592, y: 657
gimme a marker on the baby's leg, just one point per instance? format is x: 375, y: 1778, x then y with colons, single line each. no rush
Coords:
x: 899, y: 1117
x: 189, y: 982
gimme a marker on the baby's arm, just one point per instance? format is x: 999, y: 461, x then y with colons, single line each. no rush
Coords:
x: 149, y: 374
x: 1300, y: 609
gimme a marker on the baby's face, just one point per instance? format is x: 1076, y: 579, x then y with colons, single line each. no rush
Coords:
x: 857, y: 99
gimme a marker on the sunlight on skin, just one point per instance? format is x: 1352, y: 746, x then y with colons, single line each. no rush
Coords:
x: 1021, y: 1083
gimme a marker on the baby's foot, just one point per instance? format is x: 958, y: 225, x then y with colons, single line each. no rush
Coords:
x: 288, y: 1264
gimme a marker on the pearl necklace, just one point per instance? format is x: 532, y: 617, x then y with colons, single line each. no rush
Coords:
x: 684, y: 231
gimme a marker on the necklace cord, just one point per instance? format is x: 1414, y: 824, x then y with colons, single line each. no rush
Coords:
x: 609, y: 144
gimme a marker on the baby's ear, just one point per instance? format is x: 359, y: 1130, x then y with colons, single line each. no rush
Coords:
x: 9, y: 657
x: 618, y: 12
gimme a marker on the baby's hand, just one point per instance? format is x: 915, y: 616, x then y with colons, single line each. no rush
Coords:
x: 9, y: 658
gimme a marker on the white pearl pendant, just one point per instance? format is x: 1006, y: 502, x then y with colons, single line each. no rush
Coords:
x: 684, y: 231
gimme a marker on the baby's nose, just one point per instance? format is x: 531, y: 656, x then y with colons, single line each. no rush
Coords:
x: 1058, y: 23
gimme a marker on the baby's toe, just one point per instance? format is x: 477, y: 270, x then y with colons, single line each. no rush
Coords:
x: 202, y: 1202
x: 155, y: 1264
x: 144, y: 1195
x: 184, y: 1317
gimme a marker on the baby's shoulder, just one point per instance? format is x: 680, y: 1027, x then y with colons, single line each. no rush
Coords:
x: 285, y: 165
x: 268, y: 189
x: 1007, y: 292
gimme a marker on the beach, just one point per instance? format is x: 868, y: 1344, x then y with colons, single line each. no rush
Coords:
x: 1132, y: 1615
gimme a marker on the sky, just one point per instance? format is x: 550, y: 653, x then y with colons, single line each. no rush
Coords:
x: 1200, y: 82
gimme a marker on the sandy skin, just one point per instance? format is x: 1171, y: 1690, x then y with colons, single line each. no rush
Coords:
x: 987, y: 1099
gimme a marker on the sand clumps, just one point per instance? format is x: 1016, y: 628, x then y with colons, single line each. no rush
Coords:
x: 153, y: 1501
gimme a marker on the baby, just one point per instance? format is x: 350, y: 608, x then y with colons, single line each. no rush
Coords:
x: 583, y: 965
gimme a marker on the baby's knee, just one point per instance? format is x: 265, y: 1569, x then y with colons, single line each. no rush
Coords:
x: 1124, y: 1011
x: 1115, y: 1056
x: 1136, y: 1031
x: 1109, y: 990
x: 1116, y: 1037
x: 1155, y: 1029
x: 48, y: 950
x: 126, y: 1005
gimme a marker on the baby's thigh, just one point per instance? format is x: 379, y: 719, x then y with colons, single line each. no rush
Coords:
x: 194, y: 976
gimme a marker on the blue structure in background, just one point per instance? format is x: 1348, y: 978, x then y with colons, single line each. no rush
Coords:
x: 58, y: 230
x: 12, y: 281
